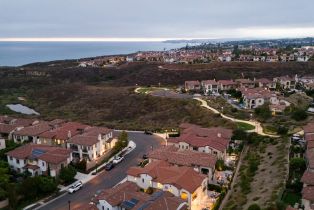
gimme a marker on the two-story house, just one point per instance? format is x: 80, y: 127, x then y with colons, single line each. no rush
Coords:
x: 182, y: 182
x: 60, y: 135
x: 201, y: 162
x: 127, y: 195
x: 92, y: 143
x: 286, y: 82
x: 210, y: 87
x: 39, y: 159
x: 213, y: 140
x: 192, y: 85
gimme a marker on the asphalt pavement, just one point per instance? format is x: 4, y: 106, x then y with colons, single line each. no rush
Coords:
x: 107, y: 179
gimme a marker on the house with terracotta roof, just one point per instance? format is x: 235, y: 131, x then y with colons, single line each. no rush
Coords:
x: 94, y: 142
x: 8, y: 125
x: 39, y: 159
x: 245, y: 83
x: 127, y: 195
x: 255, y: 97
x: 30, y: 133
x: 202, y: 163
x: 182, y: 182
x: 192, y: 85
x: 214, y: 140
x: 60, y: 135
x: 286, y: 82
x: 227, y: 84
x: 210, y: 87
x: 266, y: 83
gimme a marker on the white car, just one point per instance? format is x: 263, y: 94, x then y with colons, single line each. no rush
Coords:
x: 75, y: 187
x: 118, y: 159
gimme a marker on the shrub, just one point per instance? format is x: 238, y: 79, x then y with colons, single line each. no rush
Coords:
x: 299, y: 115
x: 67, y: 174
x: 282, y: 130
x: 254, y: 207
x: 263, y: 111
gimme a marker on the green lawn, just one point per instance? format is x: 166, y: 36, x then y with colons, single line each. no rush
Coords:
x: 245, y: 126
x: 291, y: 198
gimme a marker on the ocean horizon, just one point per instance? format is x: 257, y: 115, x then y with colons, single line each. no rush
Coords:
x: 21, y: 53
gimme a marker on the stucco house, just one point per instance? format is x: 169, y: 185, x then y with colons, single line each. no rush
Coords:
x: 202, y: 163
x: 213, y: 140
x: 60, y: 135
x: 182, y: 182
x: 192, y: 85
x: 39, y: 159
x: 210, y: 87
x: 255, y: 97
x: 127, y: 195
x: 92, y: 143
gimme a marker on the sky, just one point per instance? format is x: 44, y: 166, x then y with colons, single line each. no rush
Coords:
x: 155, y: 20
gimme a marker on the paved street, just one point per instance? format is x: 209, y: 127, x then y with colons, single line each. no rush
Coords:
x: 107, y: 179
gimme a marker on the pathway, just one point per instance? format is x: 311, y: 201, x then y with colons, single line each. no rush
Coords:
x: 258, y: 127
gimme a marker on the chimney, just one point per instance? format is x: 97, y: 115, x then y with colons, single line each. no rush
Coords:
x: 219, y: 135
x: 69, y: 134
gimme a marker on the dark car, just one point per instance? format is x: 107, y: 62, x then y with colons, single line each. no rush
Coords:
x: 145, y: 156
x: 148, y: 132
x: 109, y: 166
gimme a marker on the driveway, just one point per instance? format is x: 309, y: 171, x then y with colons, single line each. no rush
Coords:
x: 107, y: 179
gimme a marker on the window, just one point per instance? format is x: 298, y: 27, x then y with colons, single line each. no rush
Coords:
x: 143, y: 180
x: 11, y: 158
x: 186, y: 147
x: 43, y: 164
x: 17, y: 161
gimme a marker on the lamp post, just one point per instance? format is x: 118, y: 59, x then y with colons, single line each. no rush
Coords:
x: 69, y: 204
x: 96, y: 166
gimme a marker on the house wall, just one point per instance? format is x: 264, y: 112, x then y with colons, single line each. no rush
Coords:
x: 307, y: 204
x: 16, y: 164
x: 104, y: 205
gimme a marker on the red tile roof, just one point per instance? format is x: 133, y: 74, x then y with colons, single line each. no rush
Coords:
x: 308, y: 193
x: 227, y: 82
x: 65, y: 131
x: 189, y: 158
x: 33, y: 130
x: 308, y: 178
x: 90, y: 136
x: 161, y: 172
x: 128, y: 190
x: 4, y: 128
x: 49, y: 154
x: 209, y: 82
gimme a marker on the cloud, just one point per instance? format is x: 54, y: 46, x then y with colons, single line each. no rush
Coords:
x: 156, y: 19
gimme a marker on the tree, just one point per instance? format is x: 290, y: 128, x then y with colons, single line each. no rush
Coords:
x: 47, y: 184
x: 220, y: 165
x: 299, y: 115
x: 263, y: 111
x: 254, y: 207
x: 282, y: 130
x: 12, y: 195
x: 297, y: 164
x: 122, y: 141
x: 67, y: 174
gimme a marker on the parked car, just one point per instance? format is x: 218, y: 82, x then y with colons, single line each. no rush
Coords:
x: 118, y: 159
x: 148, y: 132
x: 75, y: 187
x: 109, y: 166
x: 145, y: 156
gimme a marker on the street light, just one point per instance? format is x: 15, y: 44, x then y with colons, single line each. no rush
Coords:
x: 69, y: 202
x: 96, y: 166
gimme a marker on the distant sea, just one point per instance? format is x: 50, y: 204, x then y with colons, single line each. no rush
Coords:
x: 20, y: 53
